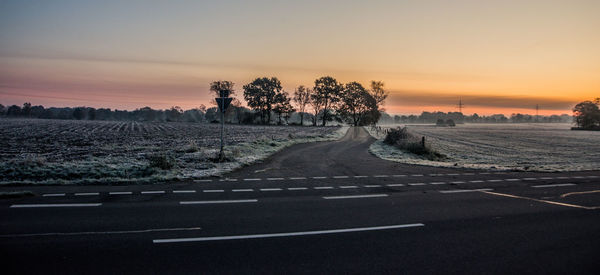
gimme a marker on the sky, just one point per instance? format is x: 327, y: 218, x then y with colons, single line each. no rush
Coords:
x: 495, y: 56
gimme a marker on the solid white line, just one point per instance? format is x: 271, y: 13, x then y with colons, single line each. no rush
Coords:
x: 348, y: 186
x: 416, y: 184
x: 98, y: 232
x: 251, y: 179
x: 87, y: 194
x: 153, y: 192
x: 319, y: 178
x: 120, y: 193
x: 242, y: 190
x: 464, y: 190
x: 55, y: 205
x: 183, y: 191
x: 340, y: 177
x: 395, y: 185
x: 54, y: 195
x: 270, y: 189
x: 298, y: 178
x: 358, y: 177
x: 322, y: 187
x: 218, y: 202
x: 355, y: 196
x: 553, y: 185
x: 213, y: 191
x: 288, y: 234
x: 372, y: 185
x: 275, y: 178
x: 438, y: 183
x: 297, y: 188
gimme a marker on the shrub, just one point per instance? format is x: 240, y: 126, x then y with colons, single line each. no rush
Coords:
x: 405, y: 141
x: 162, y: 161
x: 440, y: 122
x: 450, y: 122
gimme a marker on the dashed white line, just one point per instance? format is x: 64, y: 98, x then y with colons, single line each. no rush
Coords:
x: 270, y: 189
x: 243, y: 190
x: 395, y: 185
x: 398, y: 176
x: 452, y: 174
x: 438, y: 182
x: 464, y: 190
x: 54, y: 195
x: 218, y: 202
x: 494, y: 180
x: 417, y: 175
x: 562, y: 178
x: 355, y: 196
x: 359, y: 177
x: 213, y: 191
x: 340, y: 177
x: 322, y: 187
x: 55, y: 205
x: 592, y: 177
x: 87, y: 194
x: 577, y: 177
x: 416, y: 184
x: 529, y: 178
x: 120, y: 193
x: 153, y: 192
x: 348, y: 186
x: 183, y: 191
x: 512, y: 179
x: 252, y: 179
x: 288, y: 234
x: 468, y: 174
x: 553, y: 185
x: 456, y: 182
x: 298, y: 178
x: 203, y: 180
x: 319, y: 178
x: 372, y: 185
x: 275, y: 178
x: 475, y: 181
x: 484, y: 173
x: 381, y: 176
x: 297, y: 188
x: 546, y: 178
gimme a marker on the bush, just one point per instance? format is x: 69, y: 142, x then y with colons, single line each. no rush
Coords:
x: 405, y: 141
x: 162, y: 161
x: 440, y: 122
x: 450, y: 123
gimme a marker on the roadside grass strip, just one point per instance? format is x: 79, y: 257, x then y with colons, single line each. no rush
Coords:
x: 287, y: 234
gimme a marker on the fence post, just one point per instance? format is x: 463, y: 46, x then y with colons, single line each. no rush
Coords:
x: 423, y: 141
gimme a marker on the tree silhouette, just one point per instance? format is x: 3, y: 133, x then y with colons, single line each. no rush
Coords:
x: 327, y: 91
x: 260, y: 96
x: 302, y: 98
x: 282, y: 106
x: 378, y: 93
x: 587, y: 114
x: 357, y: 106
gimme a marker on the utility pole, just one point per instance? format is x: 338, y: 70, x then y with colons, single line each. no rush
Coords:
x: 537, y: 109
x: 460, y: 105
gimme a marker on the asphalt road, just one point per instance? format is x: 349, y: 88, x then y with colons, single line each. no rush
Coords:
x: 327, y: 207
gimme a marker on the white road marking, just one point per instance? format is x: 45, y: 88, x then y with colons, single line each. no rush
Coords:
x: 98, y: 232
x: 288, y: 234
x: 475, y: 181
x: 416, y: 184
x: 202, y: 180
x: 275, y: 178
x: 546, y: 178
x: 485, y: 173
x: 183, y: 191
x: 319, y: 178
x: 553, y: 185
x: 417, y: 175
x: 348, y: 186
x: 592, y: 177
x: 358, y: 177
x: 438, y: 183
x: 340, y: 177
x: 494, y: 180
x: 218, y: 202
x: 562, y: 178
x: 577, y: 177
x: 54, y: 195
x: 464, y: 190
x: 298, y: 178
x: 242, y: 190
x: 455, y: 182
x: 395, y: 185
x: 529, y: 178
x: 87, y: 194
x: 253, y: 179
x: 381, y: 176
x: 120, y: 193
x: 55, y: 205
x: 297, y: 188
x: 398, y: 176
x: 153, y: 192
x: 270, y: 189
x: 322, y: 187
x: 451, y: 174
x: 372, y: 185
x: 435, y: 175
x: 355, y: 196
x: 512, y: 179
x: 500, y: 173
x: 213, y: 191
x: 468, y: 174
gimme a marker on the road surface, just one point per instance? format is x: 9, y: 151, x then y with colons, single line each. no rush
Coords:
x: 327, y: 207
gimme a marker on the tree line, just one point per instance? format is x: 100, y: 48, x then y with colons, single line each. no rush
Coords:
x: 457, y: 117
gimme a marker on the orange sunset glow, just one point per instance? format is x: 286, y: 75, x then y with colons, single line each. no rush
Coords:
x: 495, y: 56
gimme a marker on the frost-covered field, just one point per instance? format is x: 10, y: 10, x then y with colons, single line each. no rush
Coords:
x: 39, y: 151
x: 536, y: 146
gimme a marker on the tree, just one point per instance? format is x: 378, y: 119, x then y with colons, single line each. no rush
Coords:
x: 358, y: 106
x: 222, y: 88
x: 378, y: 93
x: 260, y: 95
x: 26, y: 110
x: 302, y: 98
x: 2, y: 109
x: 282, y: 106
x: 13, y: 110
x: 79, y: 113
x: 327, y: 91
x: 174, y: 114
x: 587, y: 114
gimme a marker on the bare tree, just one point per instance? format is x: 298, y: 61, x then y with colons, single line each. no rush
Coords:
x: 302, y: 98
x: 378, y: 93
